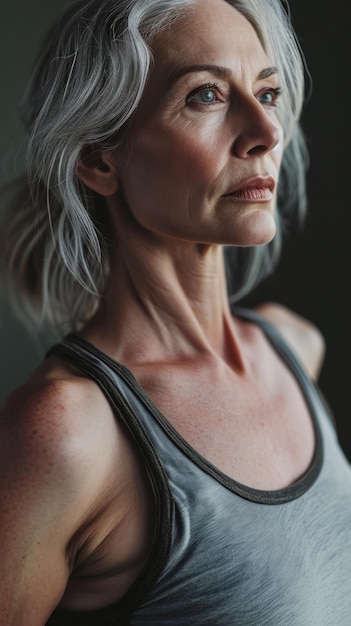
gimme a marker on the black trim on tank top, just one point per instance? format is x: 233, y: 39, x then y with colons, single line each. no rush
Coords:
x: 259, y: 496
x: 119, y: 612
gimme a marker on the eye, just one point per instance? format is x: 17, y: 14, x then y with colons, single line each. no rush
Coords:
x: 269, y: 97
x: 205, y: 95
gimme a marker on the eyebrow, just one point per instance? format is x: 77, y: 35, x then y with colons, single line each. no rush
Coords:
x: 218, y: 70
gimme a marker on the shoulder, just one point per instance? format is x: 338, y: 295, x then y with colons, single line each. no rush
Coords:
x: 53, y: 426
x: 53, y: 481
x: 303, y: 336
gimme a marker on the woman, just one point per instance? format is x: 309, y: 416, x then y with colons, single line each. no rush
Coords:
x: 172, y: 460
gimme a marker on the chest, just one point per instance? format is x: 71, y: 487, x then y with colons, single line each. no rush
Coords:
x: 258, y: 431
x: 259, y: 564
x: 238, y: 560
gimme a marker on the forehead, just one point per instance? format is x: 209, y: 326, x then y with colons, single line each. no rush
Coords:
x: 209, y: 31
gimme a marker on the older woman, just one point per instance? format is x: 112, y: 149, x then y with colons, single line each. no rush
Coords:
x: 172, y: 460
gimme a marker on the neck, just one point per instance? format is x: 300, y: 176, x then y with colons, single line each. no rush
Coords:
x: 167, y: 301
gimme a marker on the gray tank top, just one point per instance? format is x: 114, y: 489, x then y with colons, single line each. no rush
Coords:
x: 226, y: 554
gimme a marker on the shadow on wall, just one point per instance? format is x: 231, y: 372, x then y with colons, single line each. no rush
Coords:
x: 20, y: 352
x: 22, y: 26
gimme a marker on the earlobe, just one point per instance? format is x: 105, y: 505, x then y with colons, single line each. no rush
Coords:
x: 96, y: 170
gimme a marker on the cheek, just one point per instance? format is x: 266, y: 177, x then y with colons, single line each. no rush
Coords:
x: 174, y: 161
x: 277, y: 152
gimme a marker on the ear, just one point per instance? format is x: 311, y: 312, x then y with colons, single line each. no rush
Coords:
x: 96, y: 170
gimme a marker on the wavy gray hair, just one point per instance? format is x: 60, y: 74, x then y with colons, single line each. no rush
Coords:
x: 87, y: 82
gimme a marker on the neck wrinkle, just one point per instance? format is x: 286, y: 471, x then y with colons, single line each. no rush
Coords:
x: 167, y: 307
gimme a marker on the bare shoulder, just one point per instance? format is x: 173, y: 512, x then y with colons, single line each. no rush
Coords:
x: 301, y: 334
x: 50, y: 484
x: 51, y: 430
x: 54, y: 415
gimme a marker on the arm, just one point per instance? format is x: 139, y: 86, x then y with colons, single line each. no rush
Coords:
x: 45, y: 492
x: 303, y: 337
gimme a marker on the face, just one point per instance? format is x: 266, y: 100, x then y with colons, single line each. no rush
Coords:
x: 205, y: 144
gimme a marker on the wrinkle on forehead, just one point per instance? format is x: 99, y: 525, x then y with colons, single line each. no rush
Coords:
x: 213, y: 32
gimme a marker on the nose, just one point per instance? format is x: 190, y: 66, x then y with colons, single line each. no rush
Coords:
x: 258, y: 133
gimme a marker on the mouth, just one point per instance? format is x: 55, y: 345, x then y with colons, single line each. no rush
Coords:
x: 258, y: 189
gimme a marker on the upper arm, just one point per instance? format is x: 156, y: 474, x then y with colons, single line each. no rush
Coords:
x: 303, y: 336
x: 44, y: 493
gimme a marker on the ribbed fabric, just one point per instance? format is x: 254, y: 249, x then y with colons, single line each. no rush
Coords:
x: 226, y: 554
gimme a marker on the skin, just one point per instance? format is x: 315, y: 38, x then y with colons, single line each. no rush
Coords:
x: 70, y: 512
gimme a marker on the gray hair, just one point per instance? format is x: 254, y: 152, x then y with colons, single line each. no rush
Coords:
x: 87, y: 82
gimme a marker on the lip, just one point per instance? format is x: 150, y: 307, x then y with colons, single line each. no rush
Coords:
x: 258, y: 184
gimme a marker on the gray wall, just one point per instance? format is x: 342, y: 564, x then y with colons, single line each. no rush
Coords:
x: 22, y: 25
x: 314, y: 275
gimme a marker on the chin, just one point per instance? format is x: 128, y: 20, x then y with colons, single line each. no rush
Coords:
x: 259, y: 228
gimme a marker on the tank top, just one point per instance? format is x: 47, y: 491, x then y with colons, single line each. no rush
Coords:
x: 226, y: 554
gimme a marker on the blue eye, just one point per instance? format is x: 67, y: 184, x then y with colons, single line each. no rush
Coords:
x: 206, y: 94
x: 206, y: 97
x: 270, y: 97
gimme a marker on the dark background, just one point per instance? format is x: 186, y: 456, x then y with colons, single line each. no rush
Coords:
x: 313, y: 277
